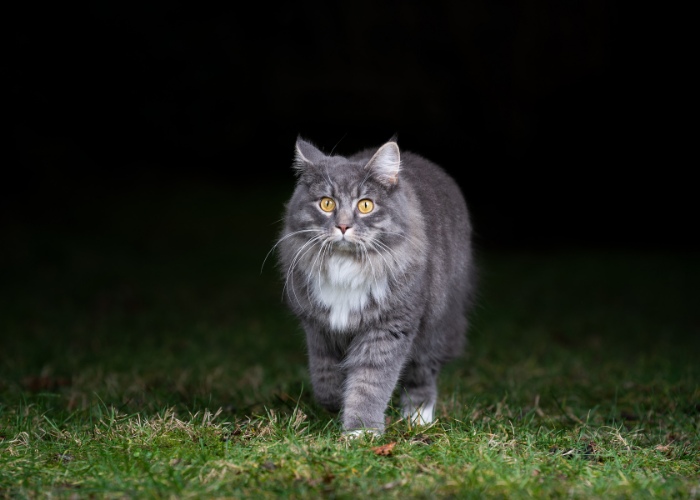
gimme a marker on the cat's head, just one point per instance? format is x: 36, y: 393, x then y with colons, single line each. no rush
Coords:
x: 350, y: 204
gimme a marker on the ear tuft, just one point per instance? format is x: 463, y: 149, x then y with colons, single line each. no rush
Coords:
x: 300, y: 162
x: 386, y: 164
x: 305, y: 154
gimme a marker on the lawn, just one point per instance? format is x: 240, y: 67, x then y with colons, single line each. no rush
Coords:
x: 144, y: 353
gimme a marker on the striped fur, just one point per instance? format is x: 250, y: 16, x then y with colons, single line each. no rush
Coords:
x: 383, y: 296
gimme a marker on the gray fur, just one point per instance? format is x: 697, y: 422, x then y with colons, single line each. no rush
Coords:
x: 389, y: 307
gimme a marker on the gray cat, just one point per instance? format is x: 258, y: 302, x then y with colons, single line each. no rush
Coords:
x: 377, y: 261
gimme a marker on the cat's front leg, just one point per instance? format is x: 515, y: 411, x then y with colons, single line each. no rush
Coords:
x: 374, y: 363
x: 325, y: 369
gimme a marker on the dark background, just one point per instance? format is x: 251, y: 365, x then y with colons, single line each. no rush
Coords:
x: 562, y: 121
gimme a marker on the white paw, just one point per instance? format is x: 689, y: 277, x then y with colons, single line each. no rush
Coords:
x: 357, y: 433
x: 423, y: 415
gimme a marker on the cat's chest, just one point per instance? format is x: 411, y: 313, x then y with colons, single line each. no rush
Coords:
x: 346, y: 286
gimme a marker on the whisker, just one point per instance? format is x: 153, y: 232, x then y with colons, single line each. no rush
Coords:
x: 409, y: 238
x: 298, y: 255
x: 318, y: 255
x: 295, y: 260
x: 326, y: 251
x: 290, y: 277
x: 328, y: 177
x: 388, y: 266
x: 369, y: 260
x: 309, y: 275
x: 320, y: 264
x: 381, y: 249
x: 275, y: 222
x: 336, y: 144
x: 284, y: 238
x: 369, y: 172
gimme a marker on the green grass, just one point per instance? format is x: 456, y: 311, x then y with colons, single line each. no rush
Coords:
x: 144, y: 354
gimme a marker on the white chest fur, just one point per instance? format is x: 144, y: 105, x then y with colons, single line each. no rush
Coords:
x: 345, y: 286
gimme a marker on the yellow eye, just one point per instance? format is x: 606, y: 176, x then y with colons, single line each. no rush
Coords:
x: 327, y: 204
x: 365, y: 206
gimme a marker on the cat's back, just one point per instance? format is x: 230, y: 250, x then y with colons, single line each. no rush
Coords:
x: 442, y: 203
x: 449, y: 265
x: 440, y: 196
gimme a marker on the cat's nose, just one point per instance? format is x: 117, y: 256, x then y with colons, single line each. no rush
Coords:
x: 343, y: 228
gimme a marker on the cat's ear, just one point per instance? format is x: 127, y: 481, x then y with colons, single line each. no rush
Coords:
x: 305, y: 154
x: 386, y: 164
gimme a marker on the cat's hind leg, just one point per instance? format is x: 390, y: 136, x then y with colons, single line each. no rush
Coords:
x: 419, y: 391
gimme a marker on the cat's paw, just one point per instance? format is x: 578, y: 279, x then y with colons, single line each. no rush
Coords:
x: 360, y: 433
x: 423, y: 415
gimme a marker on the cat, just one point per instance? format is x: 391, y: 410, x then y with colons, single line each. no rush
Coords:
x: 376, y: 257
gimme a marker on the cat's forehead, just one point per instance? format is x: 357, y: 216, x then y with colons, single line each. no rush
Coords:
x: 342, y: 167
x: 340, y: 175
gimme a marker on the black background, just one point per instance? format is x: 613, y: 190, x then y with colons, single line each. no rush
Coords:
x: 562, y: 121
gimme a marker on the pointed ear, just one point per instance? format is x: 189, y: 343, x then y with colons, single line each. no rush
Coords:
x: 305, y: 154
x: 386, y: 164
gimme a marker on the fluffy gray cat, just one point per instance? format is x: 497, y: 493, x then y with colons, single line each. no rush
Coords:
x: 377, y: 262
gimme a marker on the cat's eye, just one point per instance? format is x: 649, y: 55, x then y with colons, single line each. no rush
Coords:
x: 327, y: 204
x: 365, y: 206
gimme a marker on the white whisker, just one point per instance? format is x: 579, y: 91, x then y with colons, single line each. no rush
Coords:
x: 326, y: 243
x: 410, y: 239
x: 295, y: 260
x: 369, y: 260
x: 336, y: 144
x: 369, y: 172
x: 284, y: 238
x: 381, y: 249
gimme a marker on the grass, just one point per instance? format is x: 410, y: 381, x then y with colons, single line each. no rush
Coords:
x: 145, y: 354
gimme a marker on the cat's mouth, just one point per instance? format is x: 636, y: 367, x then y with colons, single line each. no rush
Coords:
x: 344, y: 244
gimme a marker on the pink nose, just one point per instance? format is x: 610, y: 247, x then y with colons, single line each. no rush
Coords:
x: 343, y: 228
